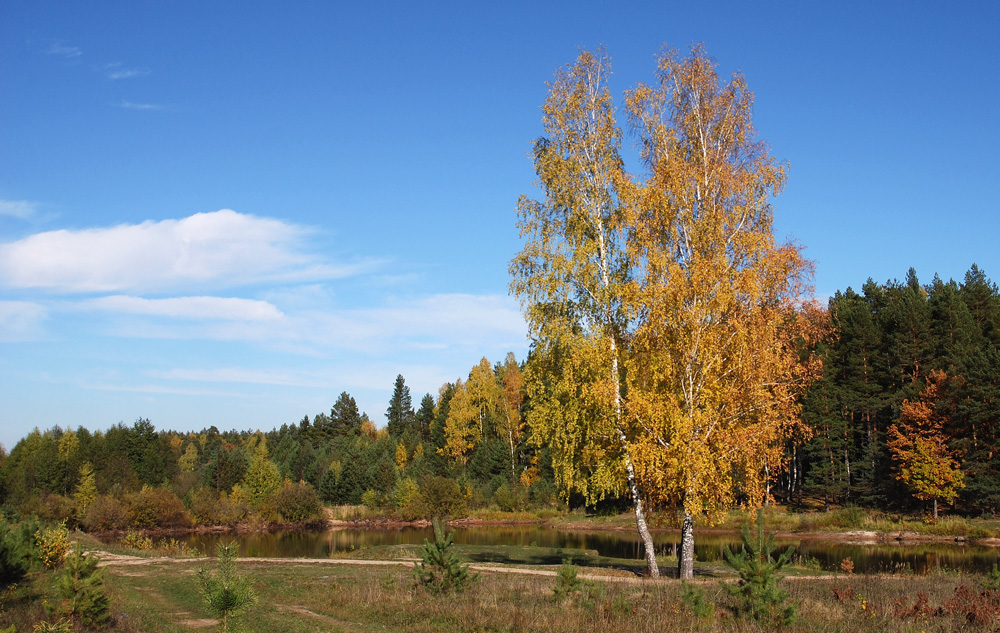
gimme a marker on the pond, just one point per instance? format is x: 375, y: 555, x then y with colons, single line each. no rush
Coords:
x: 920, y: 558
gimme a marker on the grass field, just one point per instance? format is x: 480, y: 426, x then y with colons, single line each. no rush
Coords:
x: 374, y: 590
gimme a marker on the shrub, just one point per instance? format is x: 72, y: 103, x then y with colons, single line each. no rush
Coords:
x: 205, y: 506
x: 226, y: 593
x: 756, y: 592
x: 106, y: 513
x: 442, y: 497
x: 15, y: 557
x: 53, y: 545
x: 406, y: 499
x: 157, y: 507
x: 232, y: 510
x: 440, y: 571
x: 296, y: 502
x: 510, y: 498
x: 371, y: 499
x: 135, y: 539
x: 51, y: 507
x: 80, y: 586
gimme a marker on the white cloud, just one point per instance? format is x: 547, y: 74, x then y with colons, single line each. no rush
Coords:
x: 17, y: 208
x: 440, y: 319
x: 227, y: 308
x: 218, y: 249
x: 21, y: 321
x: 69, y: 52
x: 159, y: 389
x: 240, y: 375
x: 117, y: 71
x: 131, y: 105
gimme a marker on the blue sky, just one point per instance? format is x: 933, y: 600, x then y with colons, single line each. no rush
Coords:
x: 228, y: 213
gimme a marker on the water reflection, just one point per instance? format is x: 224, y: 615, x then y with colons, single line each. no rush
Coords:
x: 887, y: 557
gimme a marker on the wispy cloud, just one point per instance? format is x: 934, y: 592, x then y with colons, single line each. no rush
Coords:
x: 215, y: 308
x: 131, y: 105
x: 159, y: 389
x: 21, y: 321
x: 242, y: 376
x: 439, y: 324
x: 69, y: 52
x: 117, y: 71
x: 18, y: 208
x: 218, y: 249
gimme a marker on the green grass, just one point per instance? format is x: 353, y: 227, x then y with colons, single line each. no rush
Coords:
x: 299, y: 596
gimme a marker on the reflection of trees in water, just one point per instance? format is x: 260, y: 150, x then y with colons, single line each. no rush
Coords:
x: 884, y: 557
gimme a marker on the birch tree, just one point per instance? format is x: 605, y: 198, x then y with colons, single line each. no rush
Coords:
x: 572, y: 275
x: 713, y: 374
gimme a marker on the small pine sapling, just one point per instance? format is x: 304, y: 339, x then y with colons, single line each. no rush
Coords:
x: 80, y: 586
x: 440, y: 570
x: 226, y: 592
x: 757, y: 591
x: 567, y: 582
x: 695, y: 602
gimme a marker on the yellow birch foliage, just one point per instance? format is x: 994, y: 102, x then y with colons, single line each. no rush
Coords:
x: 510, y: 425
x: 461, y: 428
x: 714, y: 375
x: 571, y: 275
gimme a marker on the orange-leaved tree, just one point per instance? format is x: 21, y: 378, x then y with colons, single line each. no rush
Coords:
x: 918, y: 444
x: 714, y: 376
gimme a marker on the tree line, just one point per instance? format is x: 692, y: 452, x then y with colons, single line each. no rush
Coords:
x: 906, y: 408
x: 465, y: 449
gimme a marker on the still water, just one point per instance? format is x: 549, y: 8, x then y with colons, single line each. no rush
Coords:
x: 885, y: 557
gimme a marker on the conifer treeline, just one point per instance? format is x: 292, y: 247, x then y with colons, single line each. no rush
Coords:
x: 905, y: 413
x: 892, y: 347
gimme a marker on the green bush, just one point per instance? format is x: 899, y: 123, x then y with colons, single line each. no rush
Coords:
x: 205, y: 506
x: 135, y: 539
x: 15, y: 556
x: 440, y: 571
x: 511, y: 498
x: 157, y: 507
x: 231, y: 511
x: 106, y: 513
x: 407, y: 501
x: 296, y: 502
x: 442, y: 497
x: 757, y: 592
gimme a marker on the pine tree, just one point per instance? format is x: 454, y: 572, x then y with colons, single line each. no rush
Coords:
x: 440, y: 570
x: 226, y: 592
x: 345, y: 416
x: 424, y: 417
x: 15, y: 555
x: 80, y: 586
x: 757, y: 591
x: 400, y: 410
